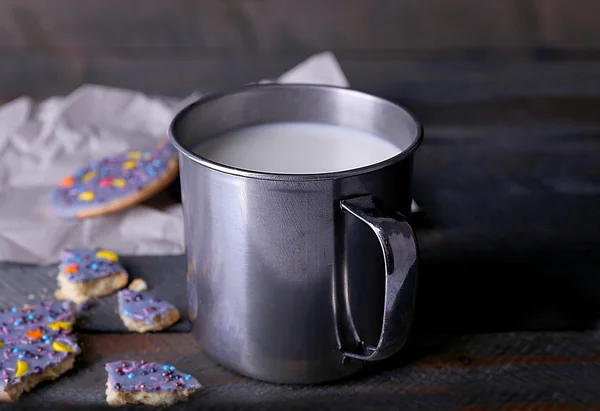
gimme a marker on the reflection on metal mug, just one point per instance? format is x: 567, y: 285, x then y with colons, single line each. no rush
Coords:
x: 298, y: 278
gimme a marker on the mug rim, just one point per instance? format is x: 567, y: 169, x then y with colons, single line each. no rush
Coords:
x: 264, y: 175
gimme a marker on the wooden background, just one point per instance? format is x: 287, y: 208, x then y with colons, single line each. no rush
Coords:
x: 416, y: 48
x: 508, y: 176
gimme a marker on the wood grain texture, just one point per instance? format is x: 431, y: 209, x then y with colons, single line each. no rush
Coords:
x: 512, y: 206
x: 421, y: 82
x: 260, y: 26
x: 434, y: 371
x: 171, y: 48
x: 399, y: 29
x: 565, y: 24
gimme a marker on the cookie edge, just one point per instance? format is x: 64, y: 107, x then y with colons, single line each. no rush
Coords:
x: 129, y: 201
x: 14, y: 392
x: 119, y: 281
x: 160, y: 323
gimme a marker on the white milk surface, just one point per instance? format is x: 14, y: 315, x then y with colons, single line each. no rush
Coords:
x: 297, y: 148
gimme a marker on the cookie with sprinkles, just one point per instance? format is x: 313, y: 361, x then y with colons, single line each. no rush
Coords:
x: 89, y: 273
x: 141, y: 312
x: 115, y: 182
x: 151, y: 383
x: 36, y: 344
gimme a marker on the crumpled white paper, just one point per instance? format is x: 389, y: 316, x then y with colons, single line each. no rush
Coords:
x: 40, y: 143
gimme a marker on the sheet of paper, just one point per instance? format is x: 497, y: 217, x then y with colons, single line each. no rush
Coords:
x: 42, y: 142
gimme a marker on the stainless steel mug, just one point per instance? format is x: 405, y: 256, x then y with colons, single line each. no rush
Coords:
x: 298, y: 278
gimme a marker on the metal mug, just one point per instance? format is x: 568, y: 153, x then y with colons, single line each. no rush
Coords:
x: 299, y: 278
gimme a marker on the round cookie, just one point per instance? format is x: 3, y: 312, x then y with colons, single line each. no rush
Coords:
x: 115, y: 182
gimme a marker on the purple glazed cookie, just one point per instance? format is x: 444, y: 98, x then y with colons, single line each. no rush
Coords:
x: 84, y: 264
x: 36, y: 344
x: 115, y: 182
x: 141, y: 312
x: 89, y: 273
x: 141, y: 382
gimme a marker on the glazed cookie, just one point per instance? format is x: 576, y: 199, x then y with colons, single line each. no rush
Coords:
x: 36, y: 344
x: 85, y: 274
x: 141, y: 382
x: 115, y: 183
x: 141, y: 312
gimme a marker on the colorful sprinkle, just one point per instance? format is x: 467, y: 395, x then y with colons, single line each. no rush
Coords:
x: 131, y: 375
x: 67, y: 181
x: 128, y: 165
x: 107, y: 255
x: 71, y: 269
x: 135, y: 155
x: 22, y: 368
x: 119, y: 182
x: 106, y: 182
x: 89, y: 176
x: 62, y: 325
x: 86, y: 196
x: 61, y: 347
x: 35, y: 334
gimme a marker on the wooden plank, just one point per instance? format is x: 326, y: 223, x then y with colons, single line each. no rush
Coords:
x: 564, y: 24
x: 408, y: 81
x: 513, y: 246
x: 243, y: 27
x: 434, y: 371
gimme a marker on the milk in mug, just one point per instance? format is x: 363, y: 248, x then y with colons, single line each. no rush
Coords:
x: 297, y: 148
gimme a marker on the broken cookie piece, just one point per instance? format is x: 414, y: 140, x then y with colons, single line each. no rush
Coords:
x: 141, y: 312
x: 138, y: 285
x: 36, y: 344
x: 85, y: 274
x: 141, y: 382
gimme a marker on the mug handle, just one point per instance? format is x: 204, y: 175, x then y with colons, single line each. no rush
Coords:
x: 400, y: 256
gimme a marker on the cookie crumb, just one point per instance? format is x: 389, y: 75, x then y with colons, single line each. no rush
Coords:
x: 138, y: 285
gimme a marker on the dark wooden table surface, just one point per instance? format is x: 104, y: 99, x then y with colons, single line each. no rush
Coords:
x: 509, y: 300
